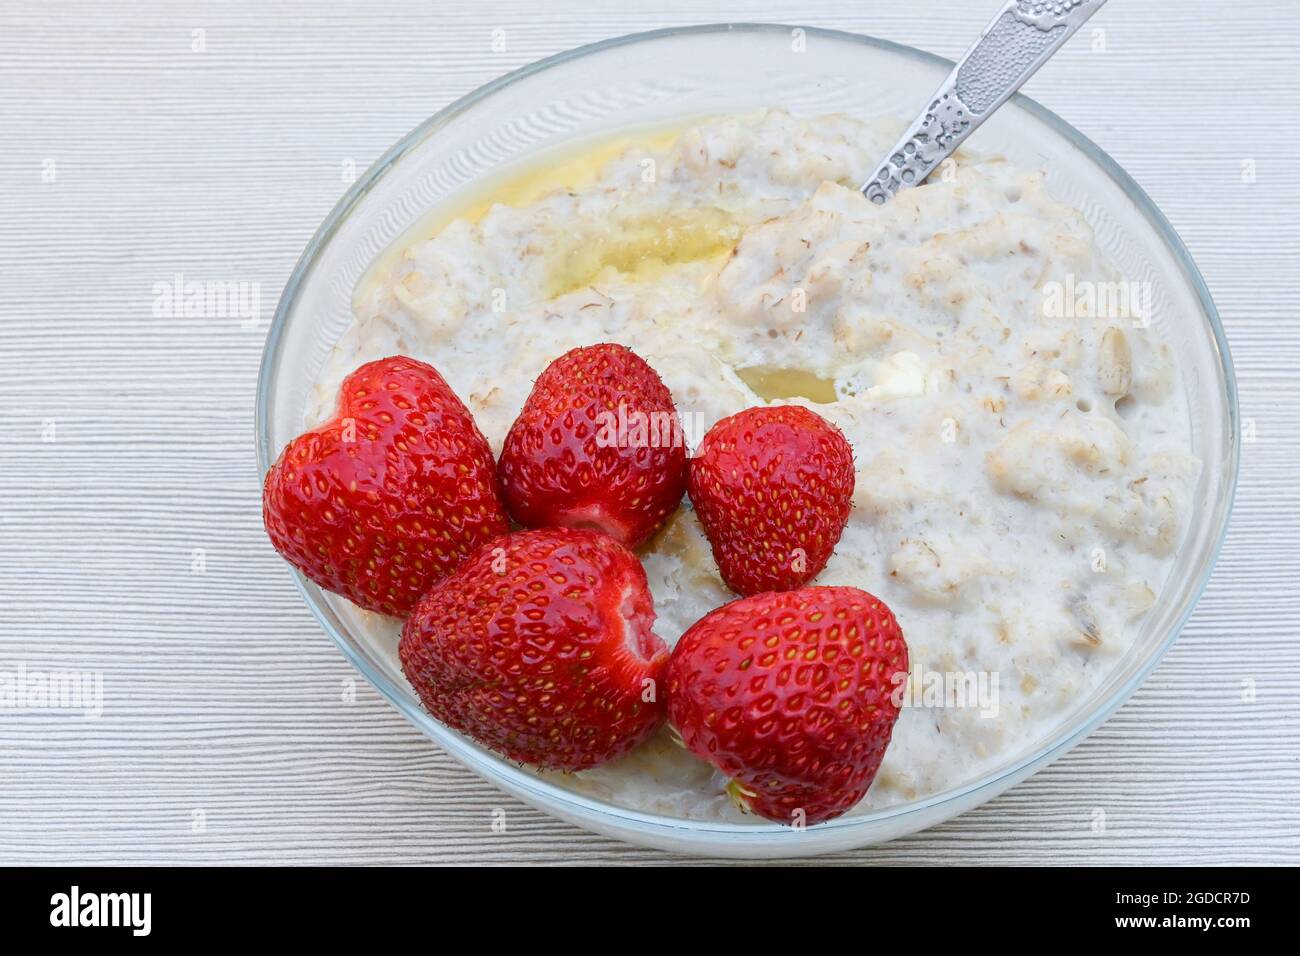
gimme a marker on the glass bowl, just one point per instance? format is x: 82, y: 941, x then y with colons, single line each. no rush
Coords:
x: 652, y: 79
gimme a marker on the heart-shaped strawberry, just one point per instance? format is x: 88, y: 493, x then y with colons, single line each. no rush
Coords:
x: 597, y: 445
x: 773, y: 489
x: 541, y: 646
x: 793, y: 695
x: 388, y: 496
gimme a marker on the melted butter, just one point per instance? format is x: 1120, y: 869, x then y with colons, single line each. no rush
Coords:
x: 571, y: 165
x: 642, y: 247
x: 565, y: 167
x: 771, y: 383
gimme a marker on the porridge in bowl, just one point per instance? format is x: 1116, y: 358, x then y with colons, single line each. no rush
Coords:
x: 1020, y: 443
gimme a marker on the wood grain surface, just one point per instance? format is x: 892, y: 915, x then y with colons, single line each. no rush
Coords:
x: 130, y: 534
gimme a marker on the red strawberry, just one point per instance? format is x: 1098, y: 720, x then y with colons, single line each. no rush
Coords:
x: 389, y: 495
x: 773, y: 488
x: 790, y: 694
x: 597, y: 445
x: 540, y: 647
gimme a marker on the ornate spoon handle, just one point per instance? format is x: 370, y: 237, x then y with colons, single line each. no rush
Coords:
x: 1020, y: 39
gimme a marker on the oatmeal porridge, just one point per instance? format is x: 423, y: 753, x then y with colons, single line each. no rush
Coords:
x: 1021, y: 450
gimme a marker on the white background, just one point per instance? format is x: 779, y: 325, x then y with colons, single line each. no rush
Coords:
x: 224, y: 702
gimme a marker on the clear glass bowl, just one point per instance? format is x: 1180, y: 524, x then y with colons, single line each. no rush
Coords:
x: 653, y: 79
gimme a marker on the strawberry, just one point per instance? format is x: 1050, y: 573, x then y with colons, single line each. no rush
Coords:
x: 773, y: 488
x: 540, y: 647
x: 598, y: 445
x: 390, y: 494
x: 791, y: 694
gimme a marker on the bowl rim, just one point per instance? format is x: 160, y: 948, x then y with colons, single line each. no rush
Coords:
x: 576, y: 806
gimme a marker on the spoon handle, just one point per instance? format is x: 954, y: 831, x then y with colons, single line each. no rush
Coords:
x: 1020, y: 39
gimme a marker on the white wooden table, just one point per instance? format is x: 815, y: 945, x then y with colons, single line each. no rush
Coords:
x: 146, y: 141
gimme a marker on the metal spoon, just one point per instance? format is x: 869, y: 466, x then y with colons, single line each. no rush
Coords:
x: 1020, y: 39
